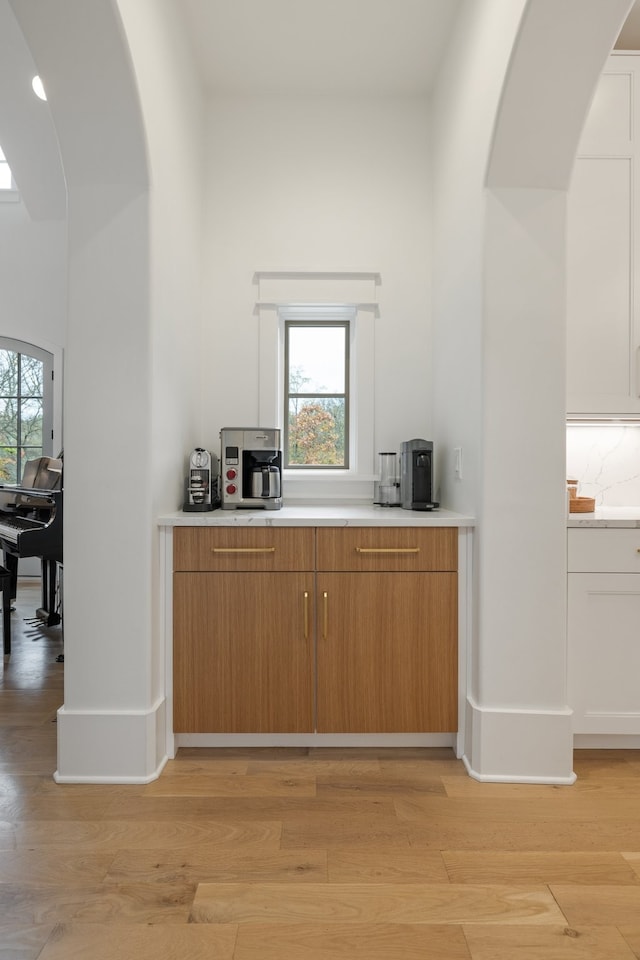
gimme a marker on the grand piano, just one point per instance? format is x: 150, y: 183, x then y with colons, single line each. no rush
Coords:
x: 31, y: 526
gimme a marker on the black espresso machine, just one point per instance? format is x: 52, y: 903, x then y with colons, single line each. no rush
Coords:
x: 251, y: 468
x: 416, y: 475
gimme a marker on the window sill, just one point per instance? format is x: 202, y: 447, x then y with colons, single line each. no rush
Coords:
x: 9, y: 196
x: 327, y: 484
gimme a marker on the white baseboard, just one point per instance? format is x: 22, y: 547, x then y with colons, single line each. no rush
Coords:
x: 222, y: 740
x: 519, y: 746
x: 606, y: 741
x: 111, y: 746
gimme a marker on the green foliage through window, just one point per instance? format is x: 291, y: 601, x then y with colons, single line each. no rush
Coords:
x: 316, y: 393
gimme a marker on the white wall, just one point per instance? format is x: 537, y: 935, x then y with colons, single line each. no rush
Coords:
x: 32, y: 276
x: 464, y: 106
x: 172, y: 104
x: 318, y: 184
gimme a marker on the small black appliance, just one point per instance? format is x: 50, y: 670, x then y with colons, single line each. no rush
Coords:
x: 416, y: 475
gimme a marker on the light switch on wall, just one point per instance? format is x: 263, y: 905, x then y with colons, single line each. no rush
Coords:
x: 457, y: 463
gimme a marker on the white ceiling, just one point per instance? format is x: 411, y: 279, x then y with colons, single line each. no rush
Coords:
x: 349, y: 47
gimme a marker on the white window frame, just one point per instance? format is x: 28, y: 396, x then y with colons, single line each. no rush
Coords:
x: 356, y: 481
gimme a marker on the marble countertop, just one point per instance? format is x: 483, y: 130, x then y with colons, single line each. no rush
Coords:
x: 606, y: 517
x: 320, y: 515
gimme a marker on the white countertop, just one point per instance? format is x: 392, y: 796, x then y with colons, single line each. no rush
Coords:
x: 606, y: 517
x: 320, y: 515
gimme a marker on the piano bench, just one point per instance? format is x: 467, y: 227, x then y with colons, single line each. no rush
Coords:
x: 5, y: 586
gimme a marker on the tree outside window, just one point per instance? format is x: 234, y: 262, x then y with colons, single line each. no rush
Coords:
x: 316, y: 394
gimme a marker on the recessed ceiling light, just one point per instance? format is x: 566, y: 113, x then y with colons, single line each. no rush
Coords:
x: 38, y: 88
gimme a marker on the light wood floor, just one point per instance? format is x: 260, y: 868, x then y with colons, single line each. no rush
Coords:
x: 312, y: 855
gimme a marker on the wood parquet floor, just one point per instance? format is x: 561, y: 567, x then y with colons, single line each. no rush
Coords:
x: 307, y: 854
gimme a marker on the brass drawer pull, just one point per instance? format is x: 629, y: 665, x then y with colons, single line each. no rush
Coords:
x: 387, y: 549
x: 325, y: 614
x: 243, y: 549
x: 306, y: 614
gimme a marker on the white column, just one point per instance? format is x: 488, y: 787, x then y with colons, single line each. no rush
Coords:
x: 107, y: 726
x: 521, y: 725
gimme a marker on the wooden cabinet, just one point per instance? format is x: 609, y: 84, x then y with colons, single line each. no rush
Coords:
x: 387, y: 653
x: 603, y: 231
x: 334, y: 630
x: 243, y: 630
x: 387, y: 630
x: 603, y: 637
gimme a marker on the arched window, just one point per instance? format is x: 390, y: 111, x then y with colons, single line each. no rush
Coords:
x: 26, y: 406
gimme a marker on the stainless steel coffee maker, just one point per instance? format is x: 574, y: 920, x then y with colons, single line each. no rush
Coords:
x: 251, y: 468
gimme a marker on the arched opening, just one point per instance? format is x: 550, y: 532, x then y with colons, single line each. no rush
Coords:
x: 520, y: 704
x: 517, y: 260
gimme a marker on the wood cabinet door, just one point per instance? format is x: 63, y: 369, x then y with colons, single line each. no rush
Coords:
x: 387, y: 653
x: 243, y: 652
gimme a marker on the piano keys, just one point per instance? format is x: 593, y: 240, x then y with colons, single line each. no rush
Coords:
x: 31, y: 526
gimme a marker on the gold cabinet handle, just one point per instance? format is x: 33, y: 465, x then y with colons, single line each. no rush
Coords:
x: 387, y: 549
x: 306, y: 614
x: 243, y: 549
x: 325, y: 614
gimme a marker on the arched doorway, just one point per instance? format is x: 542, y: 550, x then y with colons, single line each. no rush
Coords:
x: 110, y: 725
x: 521, y: 717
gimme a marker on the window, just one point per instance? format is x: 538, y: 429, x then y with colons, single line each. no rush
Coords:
x: 8, y: 189
x: 26, y: 401
x: 7, y: 183
x: 291, y: 305
x: 316, y: 393
x: 6, y: 180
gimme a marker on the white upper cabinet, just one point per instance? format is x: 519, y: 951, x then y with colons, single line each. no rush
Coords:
x: 603, y: 229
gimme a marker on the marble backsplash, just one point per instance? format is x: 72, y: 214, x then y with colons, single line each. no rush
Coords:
x: 605, y: 460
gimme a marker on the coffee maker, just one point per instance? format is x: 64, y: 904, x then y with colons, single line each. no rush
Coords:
x: 201, y: 482
x: 416, y: 475
x: 251, y: 468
